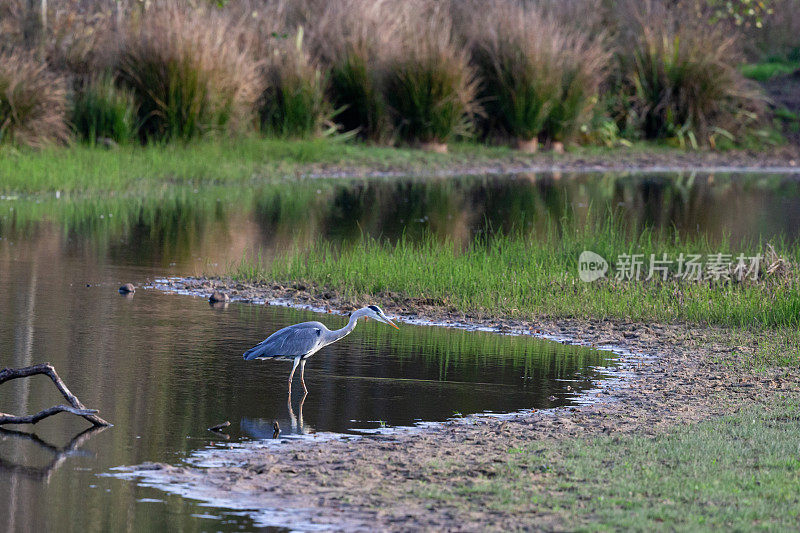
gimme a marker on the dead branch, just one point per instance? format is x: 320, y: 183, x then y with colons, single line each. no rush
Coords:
x: 75, y: 407
x: 6, y: 418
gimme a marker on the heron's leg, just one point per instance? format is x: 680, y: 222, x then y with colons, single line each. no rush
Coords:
x: 303, y: 375
x: 291, y: 374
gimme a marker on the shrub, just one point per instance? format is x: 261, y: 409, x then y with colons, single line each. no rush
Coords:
x: 681, y: 81
x: 539, y: 77
x: 102, y: 110
x: 429, y: 85
x: 32, y: 102
x: 191, y: 72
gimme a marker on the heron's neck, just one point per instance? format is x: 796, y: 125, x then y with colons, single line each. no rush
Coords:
x: 351, y: 325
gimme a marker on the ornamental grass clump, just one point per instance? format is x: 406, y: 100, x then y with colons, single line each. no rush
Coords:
x: 191, y: 72
x: 32, y: 102
x: 350, y: 38
x: 429, y: 85
x: 679, y: 80
x: 101, y: 110
x: 294, y: 102
x: 540, y: 78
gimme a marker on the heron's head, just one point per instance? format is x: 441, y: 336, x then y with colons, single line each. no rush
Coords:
x: 374, y: 312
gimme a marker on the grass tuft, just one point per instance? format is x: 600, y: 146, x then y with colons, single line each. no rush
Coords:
x: 102, y: 110
x: 32, y: 102
x: 191, y: 72
x: 539, y: 76
x: 351, y: 38
x: 430, y: 86
x: 681, y: 80
x: 294, y: 103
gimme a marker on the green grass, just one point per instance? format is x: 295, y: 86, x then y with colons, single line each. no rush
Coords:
x: 102, y: 110
x: 737, y: 473
x: 242, y: 161
x: 252, y: 160
x: 527, y: 277
x: 760, y: 350
x: 768, y: 70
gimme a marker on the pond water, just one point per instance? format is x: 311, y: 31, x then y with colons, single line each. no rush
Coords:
x: 164, y: 368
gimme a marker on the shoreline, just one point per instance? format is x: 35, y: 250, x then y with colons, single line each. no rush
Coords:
x: 253, y: 161
x: 360, y: 484
x: 617, y: 160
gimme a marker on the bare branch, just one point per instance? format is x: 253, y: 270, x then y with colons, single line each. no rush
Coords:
x: 76, y: 407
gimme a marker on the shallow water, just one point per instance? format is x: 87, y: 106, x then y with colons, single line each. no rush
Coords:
x: 163, y: 368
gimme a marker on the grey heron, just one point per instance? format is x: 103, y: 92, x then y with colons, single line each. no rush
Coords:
x: 299, y: 342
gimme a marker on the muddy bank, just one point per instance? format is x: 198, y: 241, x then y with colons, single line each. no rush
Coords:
x: 676, y: 374
x: 784, y: 159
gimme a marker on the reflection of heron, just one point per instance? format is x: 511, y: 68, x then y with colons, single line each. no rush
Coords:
x: 301, y: 341
x: 297, y: 427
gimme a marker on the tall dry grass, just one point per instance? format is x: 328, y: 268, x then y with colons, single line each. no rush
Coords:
x: 679, y: 78
x: 191, y: 71
x: 540, y: 77
x: 417, y: 70
x: 352, y: 38
x: 32, y: 102
x: 293, y: 103
x: 429, y: 84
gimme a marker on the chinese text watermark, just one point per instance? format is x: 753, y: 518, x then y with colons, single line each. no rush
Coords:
x: 688, y: 267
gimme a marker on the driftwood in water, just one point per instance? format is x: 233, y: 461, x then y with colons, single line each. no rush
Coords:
x: 75, y: 406
x: 220, y: 427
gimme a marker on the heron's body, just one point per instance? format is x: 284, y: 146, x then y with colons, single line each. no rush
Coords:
x: 300, y: 341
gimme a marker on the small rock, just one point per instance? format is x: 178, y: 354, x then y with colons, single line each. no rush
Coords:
x: 128, y: 288
x: 218, y: 296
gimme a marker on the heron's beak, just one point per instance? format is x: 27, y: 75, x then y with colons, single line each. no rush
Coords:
x: 389, y: 322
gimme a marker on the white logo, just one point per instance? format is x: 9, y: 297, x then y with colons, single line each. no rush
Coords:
x: 591, y: 266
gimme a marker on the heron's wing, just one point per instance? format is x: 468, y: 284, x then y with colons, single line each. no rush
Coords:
x: 293, y: 341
